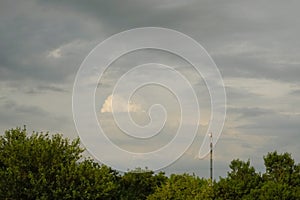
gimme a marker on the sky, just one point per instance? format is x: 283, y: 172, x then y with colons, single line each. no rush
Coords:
x: 254, y: 44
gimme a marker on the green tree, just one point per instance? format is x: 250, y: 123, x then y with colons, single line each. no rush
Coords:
x: 139, y: 183
x: 38, y: 166
x: 183, y: 186
x: 280, y: 168
x: 281, y: 179
x: 239, y: 182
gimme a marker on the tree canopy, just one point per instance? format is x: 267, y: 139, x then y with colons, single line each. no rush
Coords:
x: 44, y: 166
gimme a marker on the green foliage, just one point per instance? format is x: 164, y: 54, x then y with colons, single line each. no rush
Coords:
x: 279, y: 168
x: 282, y: 177
x: 182, y: 187
x: 138, y: 184
x: 280, y: 181
x: 40, y: 166
x: 240, y: 181
x: 43, y: 167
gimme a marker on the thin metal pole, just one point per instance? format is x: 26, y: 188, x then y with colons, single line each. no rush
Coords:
x: 211, y: 158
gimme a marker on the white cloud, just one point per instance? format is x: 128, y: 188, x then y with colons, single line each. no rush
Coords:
x: 121, y: 105
x: 56, y: 53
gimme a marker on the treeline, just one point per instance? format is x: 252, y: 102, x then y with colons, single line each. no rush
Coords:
x: 40, y: 166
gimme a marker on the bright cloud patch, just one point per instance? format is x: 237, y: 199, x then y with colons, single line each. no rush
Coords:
x: 120, y: 105
x: 56, y: 53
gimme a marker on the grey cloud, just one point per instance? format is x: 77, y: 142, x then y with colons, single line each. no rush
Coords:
x: 33, y: 87
x: 275, y: 124
x: 28, y: 35
x: 250, y: 66
x: 249, y: 112
x: 236, y: 94
x: 31, y: 30
x: 33, y: 116
x: 295, y: 92
x: 45, y: 88
x: 40, y: 31
x: 51, y: 88
x: 23, y: 109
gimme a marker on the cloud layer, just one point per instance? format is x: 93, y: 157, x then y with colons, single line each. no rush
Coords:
x: 255, y: 45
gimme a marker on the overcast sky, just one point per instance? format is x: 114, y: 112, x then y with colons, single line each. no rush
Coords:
x: 255, y: 45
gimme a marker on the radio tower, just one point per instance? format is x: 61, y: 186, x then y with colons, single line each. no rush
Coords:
x: 211, y: 156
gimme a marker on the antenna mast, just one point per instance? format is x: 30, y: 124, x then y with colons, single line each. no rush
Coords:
x: 211, y: 157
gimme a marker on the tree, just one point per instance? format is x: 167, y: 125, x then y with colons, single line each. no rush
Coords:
x: 183, y: 187
x: 139, y: 183
x: 239, y: 182
x: 281, y: 179
x: 279, y: 167
x: 40, y: 166
x: 43, y: 167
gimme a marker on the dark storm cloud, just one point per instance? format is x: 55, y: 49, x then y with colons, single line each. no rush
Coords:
x: 37, y: 27
x: 28, y: 32
x: 123, y: 15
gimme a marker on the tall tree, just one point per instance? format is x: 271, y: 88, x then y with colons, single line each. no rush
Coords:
x: 281, y: 179
x: 239, y: 181
x: 40, y: 166
x: 140, y: 183
x: 183, y: 186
